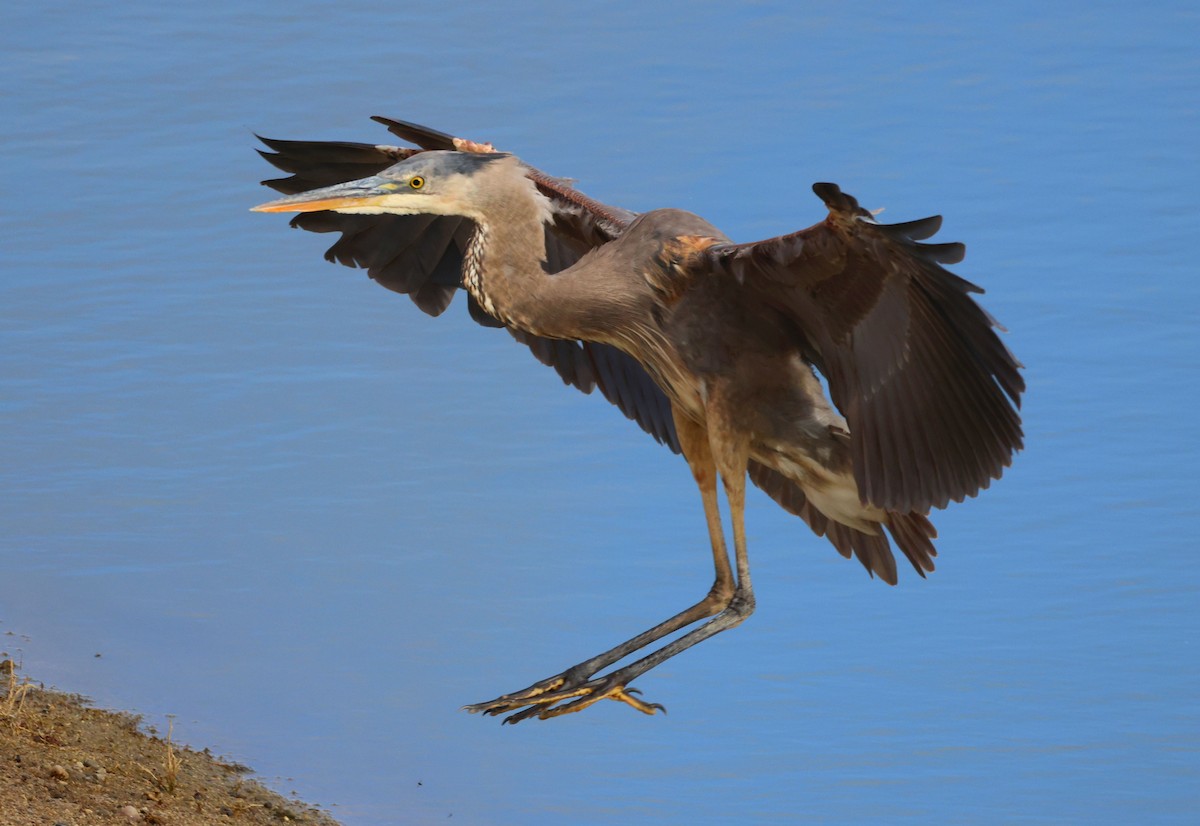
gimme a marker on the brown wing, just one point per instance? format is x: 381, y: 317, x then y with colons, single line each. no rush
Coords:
x: 421, y: 256
x: 913, y: 363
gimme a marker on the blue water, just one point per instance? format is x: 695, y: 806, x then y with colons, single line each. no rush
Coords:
x: 284, y: 506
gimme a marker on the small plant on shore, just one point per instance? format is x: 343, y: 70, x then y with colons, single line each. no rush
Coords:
x: 168, y: 780
x: 14, y: 692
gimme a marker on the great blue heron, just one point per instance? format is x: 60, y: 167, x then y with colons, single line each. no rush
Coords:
x: 709, y: 345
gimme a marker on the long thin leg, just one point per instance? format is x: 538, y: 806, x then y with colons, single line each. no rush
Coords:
x: 731, y: 453
x: 695, y: 442
x: 731, y: 450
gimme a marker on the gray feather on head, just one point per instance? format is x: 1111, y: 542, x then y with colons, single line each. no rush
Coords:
x: 442, y: 162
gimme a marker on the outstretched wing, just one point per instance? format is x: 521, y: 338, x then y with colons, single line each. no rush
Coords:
x: 421, y: 256
x: 929, y: 391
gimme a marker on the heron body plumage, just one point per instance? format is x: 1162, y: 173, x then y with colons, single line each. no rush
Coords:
x: 713, y: 347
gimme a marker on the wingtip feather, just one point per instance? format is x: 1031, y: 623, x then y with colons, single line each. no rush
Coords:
x: 423, y: 136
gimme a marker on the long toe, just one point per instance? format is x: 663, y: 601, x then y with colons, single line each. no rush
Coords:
x: 534, y: 695
x: 543, y: 701
x: 602, y: 689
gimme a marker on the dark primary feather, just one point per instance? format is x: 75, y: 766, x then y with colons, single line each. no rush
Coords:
x: 913, y: 363
x: 422, y: 136
x: 316, y: 164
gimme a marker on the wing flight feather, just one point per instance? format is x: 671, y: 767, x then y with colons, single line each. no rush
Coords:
x: 929, y: 391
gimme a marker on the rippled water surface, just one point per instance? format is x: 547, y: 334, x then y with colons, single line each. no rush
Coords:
x: 280, y: 503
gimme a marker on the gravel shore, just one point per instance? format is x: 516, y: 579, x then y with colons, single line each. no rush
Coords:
x: 64, y: 763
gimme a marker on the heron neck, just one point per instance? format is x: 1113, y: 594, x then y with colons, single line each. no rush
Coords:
x: 503, y: 267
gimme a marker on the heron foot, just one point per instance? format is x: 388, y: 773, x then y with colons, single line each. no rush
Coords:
x: 519, y: 699
x: 556, y: 696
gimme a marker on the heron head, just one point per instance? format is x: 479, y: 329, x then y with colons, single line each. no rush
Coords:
x: 437, y: 183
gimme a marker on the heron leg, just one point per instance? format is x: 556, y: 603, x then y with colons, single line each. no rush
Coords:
x: 575, y: 681
x: 719, y: 450
x: 731, y: 451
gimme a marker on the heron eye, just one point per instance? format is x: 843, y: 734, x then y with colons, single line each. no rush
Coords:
x: 416, y: 182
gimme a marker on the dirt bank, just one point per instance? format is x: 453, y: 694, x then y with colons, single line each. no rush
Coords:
x: 63, y: 763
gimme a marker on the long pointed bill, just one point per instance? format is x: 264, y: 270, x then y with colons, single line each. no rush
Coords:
x: 363, y: 195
